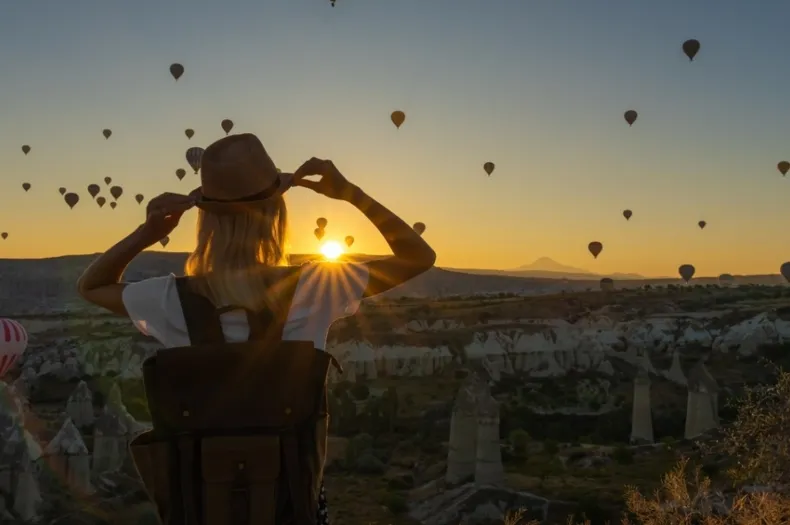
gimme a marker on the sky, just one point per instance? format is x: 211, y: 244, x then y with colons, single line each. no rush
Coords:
x: 537, y: 87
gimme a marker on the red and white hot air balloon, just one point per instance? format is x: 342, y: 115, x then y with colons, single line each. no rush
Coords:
x: 13, y: 341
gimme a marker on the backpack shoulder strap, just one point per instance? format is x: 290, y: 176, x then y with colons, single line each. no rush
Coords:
x: 268, y: 325
x: 202, y: 318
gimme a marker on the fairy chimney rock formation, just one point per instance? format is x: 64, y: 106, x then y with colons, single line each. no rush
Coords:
x: 702, y: 410
x: 641, y: 413
x: 80, y: 406
x: 488, y: 460
x: 109, y: 442
x: 68, y: 457
x: 18, y: 474
x: 462, y: 449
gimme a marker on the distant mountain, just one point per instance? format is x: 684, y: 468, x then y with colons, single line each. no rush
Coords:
x: 547, y: 268
x: 546, y: 264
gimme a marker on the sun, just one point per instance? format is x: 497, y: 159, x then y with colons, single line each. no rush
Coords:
x: 332, y: 250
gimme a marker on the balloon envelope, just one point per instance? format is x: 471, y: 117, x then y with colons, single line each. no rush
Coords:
x: 227, y: 125
x: 321, y: 222
x: 189, y: 133
x: 398, y: 118
x: 139, y: 198
x: 489, y: 167
x: 100, y: 201
x: 107, y: 180
x: 4, y: 235
x: 630, y: 116
x: 26, y: 186
x: 349, y: 241
x: 686, y: 271
x: 71, y: 199
x: 113, y: 204
x: 319, y: 233
x: 176, y: 70
x: 164, y: 242
x: 94, y: 190
x: 194, y: 156
x: 62, y: 190
x: 595, y: 248
x: 25, y: 149
x: 107, y: 133
x: 627, y: 214
x: 691, y: 48
x: 419, y: 227
x: 783, y: 167
x: 180, y: 173
x: 702, y: 225
x: 116, y: 192
x: 13, y: 342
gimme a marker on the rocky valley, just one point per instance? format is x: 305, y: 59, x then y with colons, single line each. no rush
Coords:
x: 450, y: 409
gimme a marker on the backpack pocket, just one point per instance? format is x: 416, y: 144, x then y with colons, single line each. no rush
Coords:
x: 240, y: 479
x: 152, y: 460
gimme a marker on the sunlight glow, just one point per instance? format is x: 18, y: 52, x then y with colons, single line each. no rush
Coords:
x: 332, y: 250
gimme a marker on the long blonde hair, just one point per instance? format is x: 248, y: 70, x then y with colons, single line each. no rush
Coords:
x: 231, y: 250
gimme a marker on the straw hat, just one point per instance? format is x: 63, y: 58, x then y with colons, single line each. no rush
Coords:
x: 236, y: 172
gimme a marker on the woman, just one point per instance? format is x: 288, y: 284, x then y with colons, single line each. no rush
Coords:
x: 240, y: 254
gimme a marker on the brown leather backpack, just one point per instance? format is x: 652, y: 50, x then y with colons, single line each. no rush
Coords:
x: 240, y: 429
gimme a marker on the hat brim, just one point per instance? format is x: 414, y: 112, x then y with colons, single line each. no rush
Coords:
x: 286, y: 183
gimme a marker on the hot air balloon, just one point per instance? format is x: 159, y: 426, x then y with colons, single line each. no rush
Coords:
x: 686, y: 271
x: 595, y: 248
x: 189, y: 132
x: 321, y: 222
x: 13, y: 342
x: 139, y: 198
x: 107, y: 180
x: 627, y: 214
x: 181, y: 173
x: 489, y: 167
x: 227, y: 125
x: 785, y: 271
x: 691, y: 48
x: 194, y: 155
x: 176, y: 70
x: 107, y: 133
x: 25, y: 149
x: 113, y: 204
x: 630, y: 116
x: 164, y: 242
x: 726, y: 279
x: 398, y: 118
x: 607, y: 284
x: 100, y: 201
x: 71, y: 199
x: 116, y: 192
x: 4, y: 235
x: 319, y: 233
x: 62, y: 190
x: 783, y: 167
x: 25, y: 186
x: 349, y: 241
x: 94, y: 190
x: 419, y: 227
x: 702, y: 225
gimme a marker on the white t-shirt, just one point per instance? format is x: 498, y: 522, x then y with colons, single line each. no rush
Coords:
x: 325, y: 293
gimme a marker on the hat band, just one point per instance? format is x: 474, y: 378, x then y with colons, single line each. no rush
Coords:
x: 261, y: 195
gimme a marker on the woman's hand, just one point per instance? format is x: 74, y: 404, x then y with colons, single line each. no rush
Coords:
x: 163, y: 213
x: 331, y: 184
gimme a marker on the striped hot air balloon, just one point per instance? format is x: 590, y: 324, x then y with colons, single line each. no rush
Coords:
x: 13, y: 341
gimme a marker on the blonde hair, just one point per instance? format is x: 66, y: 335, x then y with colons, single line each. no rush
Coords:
x: 231, y: 249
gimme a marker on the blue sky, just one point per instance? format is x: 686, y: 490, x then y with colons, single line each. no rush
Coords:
x: 537, y: 87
